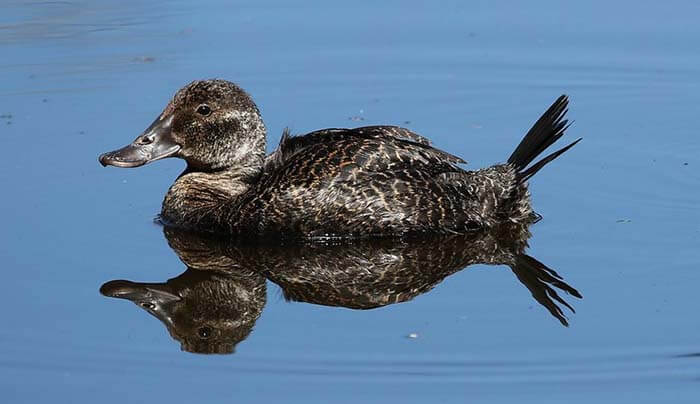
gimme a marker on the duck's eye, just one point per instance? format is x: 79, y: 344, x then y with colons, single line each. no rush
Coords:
x: 204, y: 332
x: 204, y: 110
x: 148, y: 306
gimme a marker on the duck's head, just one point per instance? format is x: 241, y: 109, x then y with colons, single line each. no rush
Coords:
x: 211, y: 124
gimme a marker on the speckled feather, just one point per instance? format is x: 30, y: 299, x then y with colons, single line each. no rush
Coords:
x: 362, y: 182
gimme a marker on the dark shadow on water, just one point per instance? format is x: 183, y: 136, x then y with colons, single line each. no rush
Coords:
x: 215, y: 303
x: 688, y: 355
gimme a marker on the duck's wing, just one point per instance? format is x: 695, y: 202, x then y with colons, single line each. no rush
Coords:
x: 343, y: 181
x: 392, y: 135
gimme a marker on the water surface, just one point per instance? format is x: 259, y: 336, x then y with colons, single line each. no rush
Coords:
x: 621, y: 220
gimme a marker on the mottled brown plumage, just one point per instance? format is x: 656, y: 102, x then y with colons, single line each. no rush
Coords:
x: 362, y: 182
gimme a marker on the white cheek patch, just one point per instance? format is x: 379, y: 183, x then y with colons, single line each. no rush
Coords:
x: 243, y: 118
x: 248, y: 131
x: 242, y: 151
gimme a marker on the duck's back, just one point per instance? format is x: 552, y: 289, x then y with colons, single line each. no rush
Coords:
x: 379, y: 180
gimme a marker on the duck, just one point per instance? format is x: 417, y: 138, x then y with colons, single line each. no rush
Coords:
x: 364, y: 182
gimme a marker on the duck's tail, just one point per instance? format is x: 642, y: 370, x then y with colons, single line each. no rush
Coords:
x: 547, y: 130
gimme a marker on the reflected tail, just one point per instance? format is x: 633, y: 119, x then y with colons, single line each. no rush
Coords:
x: 543, y: 282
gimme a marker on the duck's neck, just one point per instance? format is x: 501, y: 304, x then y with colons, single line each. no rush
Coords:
x: 198, y: 200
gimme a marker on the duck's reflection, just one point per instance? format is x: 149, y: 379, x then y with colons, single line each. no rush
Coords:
x: 214, y: 304
x: 210, y: 307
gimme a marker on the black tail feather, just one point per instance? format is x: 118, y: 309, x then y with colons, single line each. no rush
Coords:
x: 545, y: 132
x: 533, y: 169
x: 539, y: 279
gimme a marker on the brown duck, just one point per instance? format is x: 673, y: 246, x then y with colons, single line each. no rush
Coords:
x: 361, y: 182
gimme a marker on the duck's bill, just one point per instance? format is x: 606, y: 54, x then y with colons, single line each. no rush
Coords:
x: 136, y: 292
x: 155, y: 143
x: 155, y: 298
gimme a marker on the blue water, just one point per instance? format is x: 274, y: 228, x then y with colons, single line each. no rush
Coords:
x: 621, y: 210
